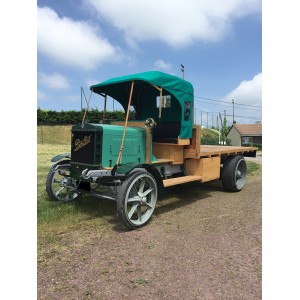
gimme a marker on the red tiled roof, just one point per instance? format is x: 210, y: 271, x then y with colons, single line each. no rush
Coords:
x: 249, y: 129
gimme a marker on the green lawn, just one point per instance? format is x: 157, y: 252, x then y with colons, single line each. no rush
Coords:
x: 54, y: 134
x: 55, y: 214
x: 59, y: 214
x: 252, y: 167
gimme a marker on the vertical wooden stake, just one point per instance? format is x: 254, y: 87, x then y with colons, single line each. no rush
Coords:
x: 160, y: 103
x: 105, y: 97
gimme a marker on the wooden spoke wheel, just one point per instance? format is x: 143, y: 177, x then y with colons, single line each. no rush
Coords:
x: 137, y: 199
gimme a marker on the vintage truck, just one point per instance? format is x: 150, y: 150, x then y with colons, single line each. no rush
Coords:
x: 131, y: 162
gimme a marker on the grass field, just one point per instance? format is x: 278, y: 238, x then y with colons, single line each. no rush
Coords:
x: 58, y: 215
x: 55, y: 214
x: 54, y: 134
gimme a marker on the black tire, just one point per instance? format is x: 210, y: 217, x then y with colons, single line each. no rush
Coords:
x: 136, y: 199
x: 63, y: 183
x: 234, y: 173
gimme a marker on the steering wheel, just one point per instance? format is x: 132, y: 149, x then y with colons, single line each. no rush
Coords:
x: 150, y: 123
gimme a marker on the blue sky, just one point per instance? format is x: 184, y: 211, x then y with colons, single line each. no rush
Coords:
x: 83, y: 42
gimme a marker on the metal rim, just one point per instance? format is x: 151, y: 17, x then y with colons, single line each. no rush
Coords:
x: 240, y: 174
x: 63, y: 186
x: 140, y: 200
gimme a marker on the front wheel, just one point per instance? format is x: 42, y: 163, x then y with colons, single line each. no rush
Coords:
x: 59, y: 185
x: 137, y: 199
x: 234, y: 173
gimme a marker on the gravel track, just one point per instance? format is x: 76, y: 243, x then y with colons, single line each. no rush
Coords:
x: 202, y: 243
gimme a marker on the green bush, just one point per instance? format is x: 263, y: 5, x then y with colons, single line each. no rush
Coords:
x: 211, y: 140
x: 259, y: 146
x: 52, y: 117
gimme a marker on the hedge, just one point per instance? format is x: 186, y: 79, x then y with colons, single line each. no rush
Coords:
x: 53, y: 117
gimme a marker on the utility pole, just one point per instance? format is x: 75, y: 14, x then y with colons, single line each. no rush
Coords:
x: 225, y: 120
x: 81, y: 98
x: 195, y: 116
x: 233, y: 112
x: 201, y: 117
x: 182, y: 70
x: 212, y: 121
x: 222, y: 126
x: 207, y: 121
x: 218, y: 126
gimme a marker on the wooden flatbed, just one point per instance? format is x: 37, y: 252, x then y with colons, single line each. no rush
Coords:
x: 210, y: 150
x: 201, y: 162
x: 177, y: 153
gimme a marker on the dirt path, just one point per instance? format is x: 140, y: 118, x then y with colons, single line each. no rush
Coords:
x: 202, y: 244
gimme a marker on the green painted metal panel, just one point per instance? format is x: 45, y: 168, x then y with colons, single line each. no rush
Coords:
x: 134, y: 145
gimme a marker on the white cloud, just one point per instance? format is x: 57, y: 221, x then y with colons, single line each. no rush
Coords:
x: 162, y: 65
x: 248, y: 92
x: 177, y: 22
x: 41, y: 95
x: 70, y: 42
x: 54, y: 81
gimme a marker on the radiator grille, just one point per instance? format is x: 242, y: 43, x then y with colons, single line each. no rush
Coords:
x: 86, y: 147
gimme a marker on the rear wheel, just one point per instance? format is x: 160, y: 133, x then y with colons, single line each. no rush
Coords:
x: 59, y: 185
x: 234, y: 173
x: 137, y: 199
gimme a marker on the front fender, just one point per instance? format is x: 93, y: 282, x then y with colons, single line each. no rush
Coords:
x: 60, y: 157
x: 128, y: 167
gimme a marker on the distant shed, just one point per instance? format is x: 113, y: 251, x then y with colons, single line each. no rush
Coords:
x: 245, y: 134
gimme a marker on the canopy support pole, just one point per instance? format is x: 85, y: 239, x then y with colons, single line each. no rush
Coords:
x: 104, y: 111
x: 160, y: 101
x: 87, y: 107
x: 119, y: 160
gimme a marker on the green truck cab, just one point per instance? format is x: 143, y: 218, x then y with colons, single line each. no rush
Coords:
x: 135, y: 160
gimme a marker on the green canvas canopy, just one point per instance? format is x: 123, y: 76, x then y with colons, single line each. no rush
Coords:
x: 145, y: 95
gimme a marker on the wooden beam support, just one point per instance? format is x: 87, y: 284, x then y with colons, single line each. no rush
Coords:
x: 104, y: 111
x: 160, y: 100
x: 148, y: 146
x: 180, y: 180
x: 184, y: 142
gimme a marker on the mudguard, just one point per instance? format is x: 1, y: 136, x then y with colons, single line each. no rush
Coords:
x: 128, y: 167
x: 60, y: 157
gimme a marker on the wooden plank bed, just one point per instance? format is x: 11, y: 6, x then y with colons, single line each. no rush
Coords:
x: 210, y: 150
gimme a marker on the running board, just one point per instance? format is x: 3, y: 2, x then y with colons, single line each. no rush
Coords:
x: 180, y: 180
